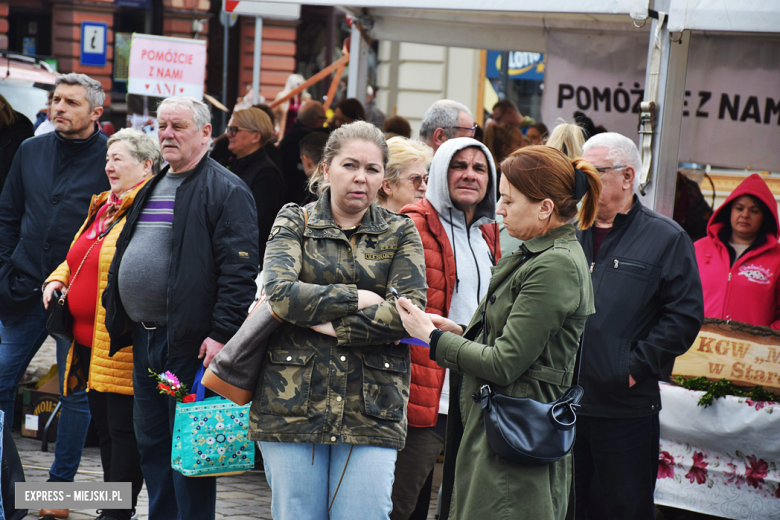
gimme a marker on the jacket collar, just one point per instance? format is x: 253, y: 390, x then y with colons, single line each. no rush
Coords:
x: 194, y: 172
x: 78, y: 144
x: 547, y: 240
x: 623, y: 219
x: 256, y: 156
x: 321, y: 218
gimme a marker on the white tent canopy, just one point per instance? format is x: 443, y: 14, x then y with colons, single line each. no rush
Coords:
x: 490, y: 24
x: 761, y: 16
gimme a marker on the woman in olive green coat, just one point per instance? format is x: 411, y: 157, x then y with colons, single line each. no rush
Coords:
x: 537, y: 303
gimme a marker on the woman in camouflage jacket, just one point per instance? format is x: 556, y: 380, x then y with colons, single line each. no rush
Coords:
x: 331, y: 409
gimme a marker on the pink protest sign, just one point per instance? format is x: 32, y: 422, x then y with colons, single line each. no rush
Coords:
x: 164, y: 67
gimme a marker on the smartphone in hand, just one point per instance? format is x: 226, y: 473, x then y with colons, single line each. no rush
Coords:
x: 395, y: 293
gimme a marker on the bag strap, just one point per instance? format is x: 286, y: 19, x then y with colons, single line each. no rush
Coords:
x: 576, y: 377
x: 99, y: 239
x: 197, y: 388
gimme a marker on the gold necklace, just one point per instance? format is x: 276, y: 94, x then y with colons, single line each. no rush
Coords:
x: 348, y: 228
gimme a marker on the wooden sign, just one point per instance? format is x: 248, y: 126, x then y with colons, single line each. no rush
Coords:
x: 746, y: 355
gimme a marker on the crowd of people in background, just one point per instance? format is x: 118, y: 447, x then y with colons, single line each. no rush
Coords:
x: 512, y: 248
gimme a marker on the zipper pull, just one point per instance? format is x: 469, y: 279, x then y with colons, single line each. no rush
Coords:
x: 592, y: 265
x: 616, y: 263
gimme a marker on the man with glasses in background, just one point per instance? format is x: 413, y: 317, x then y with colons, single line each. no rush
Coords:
x: 649, y: 305
x: 456, y: 225
x: 446, y: 119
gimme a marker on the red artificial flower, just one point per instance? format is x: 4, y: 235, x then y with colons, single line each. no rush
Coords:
x: 698, y: 471
x: 189, y: 398
x: 756, y: 471
x: 732, y: 477
x: 165, y: 388
x: 759, y: 404
x: 665, y: 465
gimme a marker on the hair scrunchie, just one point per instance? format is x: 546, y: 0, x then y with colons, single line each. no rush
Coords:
x: 581, y: 184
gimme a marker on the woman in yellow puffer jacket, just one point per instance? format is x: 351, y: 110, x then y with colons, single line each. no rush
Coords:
x: 131, y: 160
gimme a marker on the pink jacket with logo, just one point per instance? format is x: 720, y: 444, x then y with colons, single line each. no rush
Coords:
x: 749, y: 290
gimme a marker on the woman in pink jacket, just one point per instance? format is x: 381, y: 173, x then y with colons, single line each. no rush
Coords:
x: 739, y: 259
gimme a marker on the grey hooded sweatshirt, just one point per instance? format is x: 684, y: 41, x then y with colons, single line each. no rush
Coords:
x: 472, y: 254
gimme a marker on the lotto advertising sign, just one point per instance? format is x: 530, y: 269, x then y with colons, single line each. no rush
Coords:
x: 165, y: 67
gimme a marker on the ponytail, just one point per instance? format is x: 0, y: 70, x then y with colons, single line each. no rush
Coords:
x: 568, y: 138
x: 590, y: 201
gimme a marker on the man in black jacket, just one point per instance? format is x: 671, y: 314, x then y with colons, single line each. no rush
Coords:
x: 44, y: 201
x: 311, y: 117
x: 181, y: 282
x: 649, y: 310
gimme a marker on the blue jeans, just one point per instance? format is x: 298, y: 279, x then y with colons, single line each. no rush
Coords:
x: 172, y: 496
x: 20, y: 341
x: 302, y: 488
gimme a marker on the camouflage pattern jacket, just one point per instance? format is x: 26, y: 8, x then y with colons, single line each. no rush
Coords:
x: 354, y: 388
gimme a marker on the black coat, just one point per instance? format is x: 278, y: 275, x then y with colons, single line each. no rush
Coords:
x: 45, y: 200
x: 290, y: 153
x: 649, y: 309
x: 11, y: 138
x: 214, y: 261
x: 267, y: 185
x: 221, y: 154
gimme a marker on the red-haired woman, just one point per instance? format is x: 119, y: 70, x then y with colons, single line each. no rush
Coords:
x: 527, y: 331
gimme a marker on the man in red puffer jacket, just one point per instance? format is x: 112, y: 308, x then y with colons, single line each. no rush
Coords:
x: 460, y: 239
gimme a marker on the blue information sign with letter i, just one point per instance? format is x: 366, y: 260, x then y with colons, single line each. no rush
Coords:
x: 94, y: 36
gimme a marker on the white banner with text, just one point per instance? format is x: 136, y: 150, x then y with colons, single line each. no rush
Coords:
x: 731, y: 114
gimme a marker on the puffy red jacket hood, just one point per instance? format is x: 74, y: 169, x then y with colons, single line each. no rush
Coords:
x: 753, y: 185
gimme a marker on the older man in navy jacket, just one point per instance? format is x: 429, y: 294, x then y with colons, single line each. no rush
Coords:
x: 649, y: 310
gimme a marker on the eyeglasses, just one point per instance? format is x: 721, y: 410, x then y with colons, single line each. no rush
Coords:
x: 233, y: 130
x: 417, y: 180
x: 470, y: 129
x: 605, y: 168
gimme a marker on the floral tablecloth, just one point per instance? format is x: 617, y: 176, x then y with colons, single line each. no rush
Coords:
x: 723, y: 460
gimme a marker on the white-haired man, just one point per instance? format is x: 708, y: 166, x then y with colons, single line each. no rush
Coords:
x: 446, y: 119
x: 50, y: 184
x: 649, y: 305
x: 183, y: 274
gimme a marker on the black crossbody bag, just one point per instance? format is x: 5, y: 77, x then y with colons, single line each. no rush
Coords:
x: 525, y: 431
